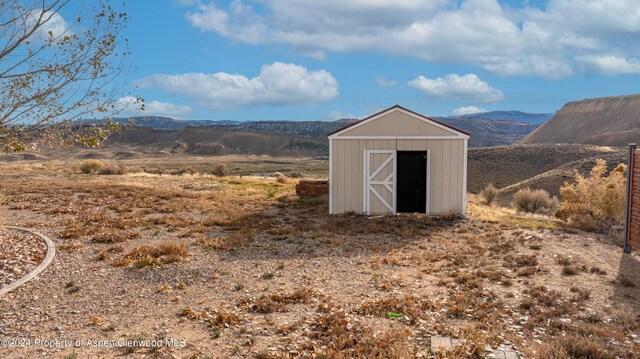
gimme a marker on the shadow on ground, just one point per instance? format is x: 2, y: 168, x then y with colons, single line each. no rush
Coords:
x: 303, y: 229
x: 626, y: 295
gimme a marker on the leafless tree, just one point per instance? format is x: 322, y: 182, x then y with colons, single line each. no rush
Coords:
x: 55, y: 70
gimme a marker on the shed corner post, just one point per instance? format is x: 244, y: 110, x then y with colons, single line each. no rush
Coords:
x: 629, y: 198
x: 331, y: 181
x: 464, y: 177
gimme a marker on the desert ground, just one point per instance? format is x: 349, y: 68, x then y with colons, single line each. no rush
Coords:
x: 239, y: 266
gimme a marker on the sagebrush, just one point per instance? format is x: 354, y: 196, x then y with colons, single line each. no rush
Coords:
x: 114, y: 170
x: 534, y: 201
x: 91, y: 166
x: 280, y: 177
x: 295, y: 174
x: 220, y: 170
x: 596, y: 202
x: 489, y: 193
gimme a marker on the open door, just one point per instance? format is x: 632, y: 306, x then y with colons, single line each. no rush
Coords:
x: 412, y: 181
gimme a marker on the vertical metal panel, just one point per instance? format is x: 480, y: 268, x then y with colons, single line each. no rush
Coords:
x: 631, y: 166
x: 445, y: 179
x: 465, y: 144
x: 331, y: 180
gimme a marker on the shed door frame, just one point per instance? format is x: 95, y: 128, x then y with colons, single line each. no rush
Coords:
x: 366, y: 181
x: 428, y: 174
x: 389, y: 182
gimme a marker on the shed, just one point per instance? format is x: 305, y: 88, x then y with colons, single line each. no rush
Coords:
x: 396, y: 161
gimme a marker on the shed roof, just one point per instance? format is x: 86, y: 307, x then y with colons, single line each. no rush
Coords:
x: 395, y: 108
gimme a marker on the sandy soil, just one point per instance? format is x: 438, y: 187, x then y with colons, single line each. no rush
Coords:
x: 266, y: 274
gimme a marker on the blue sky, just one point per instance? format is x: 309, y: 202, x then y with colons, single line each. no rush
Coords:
x: 322, y: 60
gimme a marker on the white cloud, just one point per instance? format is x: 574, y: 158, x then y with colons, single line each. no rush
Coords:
x: 277, y: 84
x: 385, y: 82
x: 314, y: 54
x: 186, y: 2
x: 131, y: 106
x: 610, y: 64
x: 54, y: 27
x: 546, y: 41
x: 467, y: 88
x: 239, y: 23
x: 466, y: 110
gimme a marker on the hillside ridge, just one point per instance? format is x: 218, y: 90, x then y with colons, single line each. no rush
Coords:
x: 484, y: 131
x: 606, y: 121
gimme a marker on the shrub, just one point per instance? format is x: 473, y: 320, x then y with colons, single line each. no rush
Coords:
x: 280, y: 178
x: 114, y: 170
x: 489, y: 193
x: 597, y: 202
x: 145, y: 255
x: 220, y: 170
x: 534, y: 201
x: 91, y: 166
x: 295, y: 174
x: 188, y: 170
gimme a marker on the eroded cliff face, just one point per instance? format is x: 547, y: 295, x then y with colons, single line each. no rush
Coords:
x: 612, y: 121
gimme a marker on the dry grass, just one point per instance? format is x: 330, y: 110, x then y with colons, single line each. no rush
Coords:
x: 410, y: 306
x: 257, y: 250
x: 577, y: 346
x: 146, y: 256
x: 277, y: 302
x: 508, y: 217
x: 239, y: 239
x: 340, y: 337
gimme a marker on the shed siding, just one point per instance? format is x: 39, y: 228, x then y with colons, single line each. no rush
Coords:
x: 446, y: 171
x: 397, y: 124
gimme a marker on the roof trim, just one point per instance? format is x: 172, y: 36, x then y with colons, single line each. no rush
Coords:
x: 377, y: 115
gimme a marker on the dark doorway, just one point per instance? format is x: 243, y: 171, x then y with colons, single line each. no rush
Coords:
x: 412, y: 181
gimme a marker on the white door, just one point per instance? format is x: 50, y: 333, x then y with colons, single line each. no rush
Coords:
x: 380, y: 181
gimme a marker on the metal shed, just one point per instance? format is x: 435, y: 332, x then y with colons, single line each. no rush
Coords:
x: 396, y: 161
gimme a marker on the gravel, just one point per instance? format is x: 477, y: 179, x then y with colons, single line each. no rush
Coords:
x: 20, y: 253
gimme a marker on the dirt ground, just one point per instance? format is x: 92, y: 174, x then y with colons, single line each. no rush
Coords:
x: 193, y: 266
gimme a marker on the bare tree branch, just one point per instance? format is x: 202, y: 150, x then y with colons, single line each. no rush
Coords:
x: 54, y: 71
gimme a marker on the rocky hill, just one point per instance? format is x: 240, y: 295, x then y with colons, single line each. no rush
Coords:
x: 611, y: 121
x: 162, y: 123
x: 490, y: 132
x: 511, y: 166
x: 519, y: 116
x: 296, y: 128
x: 217, y: 141
x: 484, y: 131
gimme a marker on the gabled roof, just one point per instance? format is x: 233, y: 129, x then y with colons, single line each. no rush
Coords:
x: 395, y: 108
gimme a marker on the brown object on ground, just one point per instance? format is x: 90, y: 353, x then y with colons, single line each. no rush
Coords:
x: 312, y: 188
